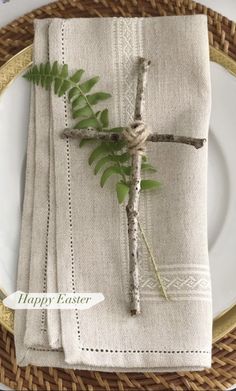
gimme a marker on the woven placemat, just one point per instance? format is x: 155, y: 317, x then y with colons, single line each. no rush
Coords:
x: 19, y: 34
x: 221, y: 376
x: 13, y: 38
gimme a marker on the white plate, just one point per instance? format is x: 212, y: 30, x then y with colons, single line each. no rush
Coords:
x: 14, y: 110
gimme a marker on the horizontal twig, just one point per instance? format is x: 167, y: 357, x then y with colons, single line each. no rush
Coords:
x: 92, y: 133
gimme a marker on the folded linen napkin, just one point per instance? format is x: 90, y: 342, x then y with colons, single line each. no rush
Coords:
x: 74, y: 235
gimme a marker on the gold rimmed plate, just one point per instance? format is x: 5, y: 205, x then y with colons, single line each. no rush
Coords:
x: 14, y: 106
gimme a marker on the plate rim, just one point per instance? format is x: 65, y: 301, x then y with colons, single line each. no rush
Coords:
x: 226, y: 320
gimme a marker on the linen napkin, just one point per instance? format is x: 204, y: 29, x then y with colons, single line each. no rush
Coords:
x: 74, y: 234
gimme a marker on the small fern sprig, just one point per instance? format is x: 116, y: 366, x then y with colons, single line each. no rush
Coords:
x: 112, y: 158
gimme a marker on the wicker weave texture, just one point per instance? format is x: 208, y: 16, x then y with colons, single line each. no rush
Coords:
x: 13, y: 38
x: 220, y: 377
x: 19, y: 34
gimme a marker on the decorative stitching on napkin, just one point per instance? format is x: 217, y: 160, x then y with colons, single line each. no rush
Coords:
x: 190, y: 282
x: 146, y: 199
x: 146, y: 351
x: 118, y: 93
x: 43, y: 312
x: 131, y: 351
x: 69, y: 187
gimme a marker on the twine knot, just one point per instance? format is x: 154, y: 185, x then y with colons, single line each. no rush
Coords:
x: 136, y: 135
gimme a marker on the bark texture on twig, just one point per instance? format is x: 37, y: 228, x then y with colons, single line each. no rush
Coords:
x: 92, y: 133
x: 170, y: 138
x: 132, y: 208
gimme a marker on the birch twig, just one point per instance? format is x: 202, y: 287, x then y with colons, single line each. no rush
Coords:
x: 92, y: 133
x: 136, y: 149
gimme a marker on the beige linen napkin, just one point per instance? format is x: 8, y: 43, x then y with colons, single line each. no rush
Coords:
x: 74, y: 234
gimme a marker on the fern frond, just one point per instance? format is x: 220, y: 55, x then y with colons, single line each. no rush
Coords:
x: 57, y: 76
x: 83, y: 101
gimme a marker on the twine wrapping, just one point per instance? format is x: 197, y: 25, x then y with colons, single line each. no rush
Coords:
x: 136, y: 135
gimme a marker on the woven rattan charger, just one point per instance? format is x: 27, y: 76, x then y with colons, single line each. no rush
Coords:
x: 19, y: 35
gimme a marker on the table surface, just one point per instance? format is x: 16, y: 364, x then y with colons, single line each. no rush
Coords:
x: 12, y: 9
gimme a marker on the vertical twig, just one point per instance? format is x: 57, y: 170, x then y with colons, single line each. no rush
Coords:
x: 132, y: 208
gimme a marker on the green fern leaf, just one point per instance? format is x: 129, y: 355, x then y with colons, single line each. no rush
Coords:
x: 102, y: 162
x: 48, y: 81
x: 127, y: 170
x: 100, y: 149
x: 33, y: 75
x: 148, y: 167
x: 57, y: 84
x: 78, y: 102
x: 73, y: 93
x: 104, y: 118
x: 108, y: 173
x: 88, y: 122
x: 111, y: 158
x: 34, y: 70
x: 27, y: 76
x: 43, y: 79
x: 122, y: 158
x: 47, y: 68
x: 88, y: 84
x: 55, y: 69
x: 117, y: 146
x: 147, y: 184
x: 36, y: 79
x: 66, y: 85
x: 42, y: 69
x: 98, y: 96
x: 64, y: 71
x: 83, y: 112
x: 122, y: 190
x: 77, y: 76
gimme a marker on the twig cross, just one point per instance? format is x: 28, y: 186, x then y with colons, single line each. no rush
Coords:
x: 136, y: 136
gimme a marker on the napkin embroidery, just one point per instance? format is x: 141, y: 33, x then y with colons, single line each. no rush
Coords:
x: 69, y: 191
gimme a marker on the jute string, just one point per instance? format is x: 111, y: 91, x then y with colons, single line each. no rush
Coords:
x: 136, y: 135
